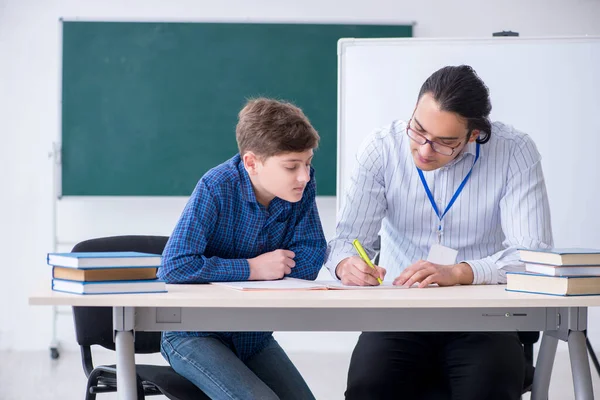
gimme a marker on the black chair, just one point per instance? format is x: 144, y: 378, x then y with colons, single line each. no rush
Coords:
x: 94, y: 326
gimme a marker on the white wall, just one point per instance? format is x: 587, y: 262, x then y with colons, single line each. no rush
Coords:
x: 29, y: 89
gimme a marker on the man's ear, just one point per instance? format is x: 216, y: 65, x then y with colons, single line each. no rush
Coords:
x: 251, y: 163
x: 474, y: 135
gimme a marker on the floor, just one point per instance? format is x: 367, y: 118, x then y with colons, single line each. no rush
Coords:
x: 33, y: 375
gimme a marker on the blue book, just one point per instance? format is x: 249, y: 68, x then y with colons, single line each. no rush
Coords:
x: 554, y: 285
x: 112, y: 287
x: 561, y: 256
x: 563, y: 270
x: 122, y: 259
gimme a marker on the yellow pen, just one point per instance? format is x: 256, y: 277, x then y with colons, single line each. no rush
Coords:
x: 363, y: 254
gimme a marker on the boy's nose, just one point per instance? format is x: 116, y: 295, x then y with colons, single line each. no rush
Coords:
x: 304, y: 175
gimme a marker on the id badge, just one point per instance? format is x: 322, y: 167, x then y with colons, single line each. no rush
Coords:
x: 442, y: 255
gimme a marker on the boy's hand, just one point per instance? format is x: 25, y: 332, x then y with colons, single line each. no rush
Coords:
x: 355, y: 272
x: 271, y: 266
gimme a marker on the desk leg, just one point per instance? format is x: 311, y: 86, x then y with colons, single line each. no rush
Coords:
x: 580, y: 366
x: 126, y: 381
x: 123, y: 322
x: 543, y: 367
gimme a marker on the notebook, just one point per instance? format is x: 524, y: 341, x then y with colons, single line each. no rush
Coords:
x: 299, y: 284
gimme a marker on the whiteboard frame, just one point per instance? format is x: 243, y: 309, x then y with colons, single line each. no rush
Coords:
x: 344, y: 43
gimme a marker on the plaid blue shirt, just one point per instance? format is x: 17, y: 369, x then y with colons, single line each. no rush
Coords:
x: 223, y: 225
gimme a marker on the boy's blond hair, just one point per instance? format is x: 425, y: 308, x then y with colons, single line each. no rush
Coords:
x: 269, y: 127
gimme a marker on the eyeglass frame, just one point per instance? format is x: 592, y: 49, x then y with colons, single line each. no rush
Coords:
x: 431, y: 142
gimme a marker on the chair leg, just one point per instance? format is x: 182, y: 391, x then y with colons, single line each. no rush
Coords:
x: 140, y: 389
x: 593, y: 355
x: 88, y: 394
x: 92, y: 381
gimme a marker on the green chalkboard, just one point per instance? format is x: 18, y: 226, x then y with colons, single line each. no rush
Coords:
x: 148, y: 108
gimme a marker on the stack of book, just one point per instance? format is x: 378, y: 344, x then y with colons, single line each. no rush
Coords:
x: 563, y: 272
x: 105, y: 273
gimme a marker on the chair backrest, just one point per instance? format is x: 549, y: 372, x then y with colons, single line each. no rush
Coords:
x: 94, y: 325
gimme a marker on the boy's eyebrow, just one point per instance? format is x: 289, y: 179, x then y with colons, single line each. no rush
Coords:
x: 437, y: 137
x: 297, y: 159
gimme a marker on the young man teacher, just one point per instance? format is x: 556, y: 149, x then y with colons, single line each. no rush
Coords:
x: 453, y: 197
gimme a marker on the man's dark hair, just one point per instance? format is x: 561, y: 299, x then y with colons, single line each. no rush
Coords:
x: 459, y: 90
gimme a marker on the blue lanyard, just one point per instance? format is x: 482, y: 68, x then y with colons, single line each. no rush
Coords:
x: 454, y: 197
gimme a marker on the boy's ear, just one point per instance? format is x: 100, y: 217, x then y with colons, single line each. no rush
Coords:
x: 251, y: 162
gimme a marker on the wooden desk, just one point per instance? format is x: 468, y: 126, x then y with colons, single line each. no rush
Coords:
x: 459, y: 308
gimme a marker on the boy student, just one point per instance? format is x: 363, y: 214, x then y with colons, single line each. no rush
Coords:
x: 253, y: 217
x: 454, y: 196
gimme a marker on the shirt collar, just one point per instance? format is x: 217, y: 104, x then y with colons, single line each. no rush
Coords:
x: 469, y: 150
x: 245, y: 183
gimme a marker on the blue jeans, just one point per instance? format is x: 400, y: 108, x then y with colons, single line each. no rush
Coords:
x: 218, y: 372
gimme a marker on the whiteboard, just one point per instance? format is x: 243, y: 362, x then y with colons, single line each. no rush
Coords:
x: 548, y: 88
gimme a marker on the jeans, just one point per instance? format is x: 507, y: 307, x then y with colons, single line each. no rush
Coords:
x: 217, y: 371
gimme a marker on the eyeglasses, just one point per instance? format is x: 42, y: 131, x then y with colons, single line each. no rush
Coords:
x: 442, y: 149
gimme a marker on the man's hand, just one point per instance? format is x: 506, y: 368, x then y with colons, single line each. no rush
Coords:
x: 270, y: 266
x: 427, y: 273
x: 354, y: 271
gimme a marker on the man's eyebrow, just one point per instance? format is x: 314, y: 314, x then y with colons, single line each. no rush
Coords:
x: 437, y: 137
x: 418, y: 123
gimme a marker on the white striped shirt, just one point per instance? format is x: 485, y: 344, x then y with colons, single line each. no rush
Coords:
x: 503, y: 206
